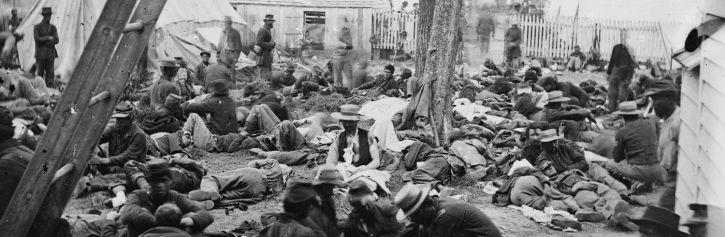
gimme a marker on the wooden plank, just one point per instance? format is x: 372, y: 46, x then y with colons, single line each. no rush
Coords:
x: 49, y: 156
x: 114, y: 79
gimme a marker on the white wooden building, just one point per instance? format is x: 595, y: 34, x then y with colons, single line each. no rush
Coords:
x: 701, y: 164
x: 314, y: 20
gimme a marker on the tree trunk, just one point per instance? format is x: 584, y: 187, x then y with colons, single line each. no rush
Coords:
x: 425, y: 17
x: 443, y: 39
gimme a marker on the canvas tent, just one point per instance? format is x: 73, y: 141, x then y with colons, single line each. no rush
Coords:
x: 184, y: 28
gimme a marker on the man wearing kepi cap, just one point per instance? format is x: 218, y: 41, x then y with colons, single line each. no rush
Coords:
x: 126, y: 141
x: 164, y: 86
x: 635, y: 155
x: 441, y: 217
x: 370, y: 216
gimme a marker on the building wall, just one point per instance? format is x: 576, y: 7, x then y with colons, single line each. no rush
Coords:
x: 701, y: 164
x: 291, y: 18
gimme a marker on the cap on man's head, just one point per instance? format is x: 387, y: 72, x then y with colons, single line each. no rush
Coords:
x: 205, y: 53
x: 123, y: 110
x: 269, y: 17
x: 358, y: 190
x: 46, y: 11
x: 300, y: 192
x: 390, y: 67
x: 158, y: 170
x: 227, y: 18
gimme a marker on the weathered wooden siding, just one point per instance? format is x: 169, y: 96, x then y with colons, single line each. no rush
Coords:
x: 701, y: 164
x: 291, y: 18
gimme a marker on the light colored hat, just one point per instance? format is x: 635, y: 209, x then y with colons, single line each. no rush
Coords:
x: 549, y: 135
x: 409, y: 199
x: 329, y: 175
x: 348, y: 112
x: 628, y: 108
x: 557, y: 96
x: 227, y: 18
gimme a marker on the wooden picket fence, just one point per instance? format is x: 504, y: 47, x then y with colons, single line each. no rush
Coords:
x: 394, y: 30
x: 555, y: 37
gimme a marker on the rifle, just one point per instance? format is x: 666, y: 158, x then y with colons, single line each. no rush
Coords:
x: 242, y: 204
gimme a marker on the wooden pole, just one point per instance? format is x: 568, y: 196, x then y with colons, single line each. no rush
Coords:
x: 70, y: 138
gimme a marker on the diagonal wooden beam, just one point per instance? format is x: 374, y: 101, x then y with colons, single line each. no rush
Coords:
x: 114, y: 80
x: 36, y: 181
x: 77, y: 124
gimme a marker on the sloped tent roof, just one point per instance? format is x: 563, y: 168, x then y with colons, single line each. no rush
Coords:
x: 176, y: 30
x: 378, y: 4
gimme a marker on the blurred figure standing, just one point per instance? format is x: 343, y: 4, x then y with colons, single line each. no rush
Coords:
x: 341, y: 62
x: 46, y: 37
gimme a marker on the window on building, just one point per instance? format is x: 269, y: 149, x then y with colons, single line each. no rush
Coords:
x: 314, y: 29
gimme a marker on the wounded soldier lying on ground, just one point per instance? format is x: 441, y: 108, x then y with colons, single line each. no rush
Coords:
x: 572, y: 191
x: 258, y: 179
x: 430, y: 166
x: 278, y: 140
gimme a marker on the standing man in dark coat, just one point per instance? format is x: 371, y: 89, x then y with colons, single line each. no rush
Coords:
x: 264, y: 41
x: 231, y: 39
x: 46, y: 37
x: 200, y: 70
x: 512, y: 46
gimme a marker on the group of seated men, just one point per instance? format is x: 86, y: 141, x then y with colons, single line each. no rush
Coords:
x: 151, y: 143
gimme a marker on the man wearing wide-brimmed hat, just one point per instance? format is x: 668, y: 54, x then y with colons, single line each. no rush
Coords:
x: 635, y: 155
x: 264, y: 40
x: 219, y: 106
x: 354, y: 146
x: 370, y: 216
x: 665, y: 100
x: 146, y: 202
x: 442, y: 217
x: 164, y: 86
x: 46, y: 37
x: 327, y: 180
x: 554, y: 111
x: 563, y: 154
